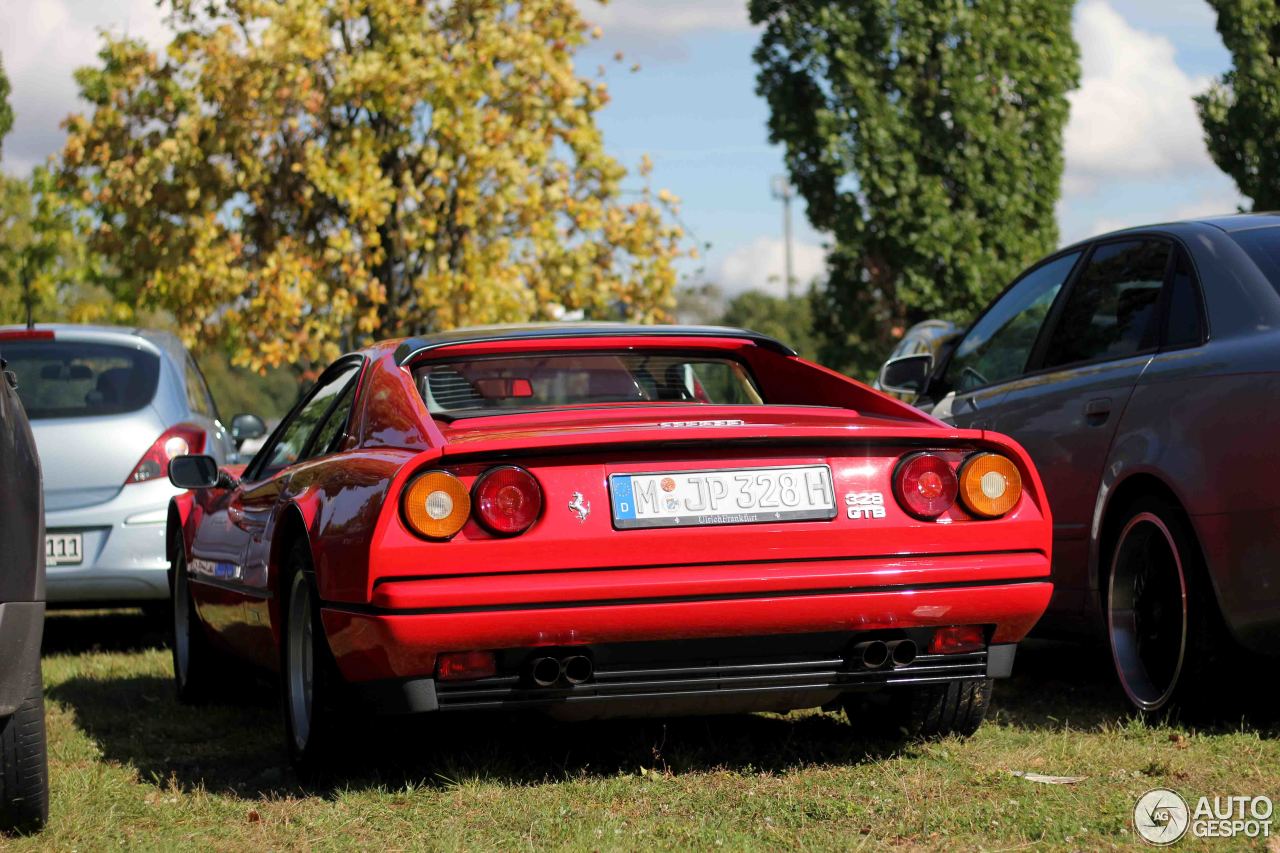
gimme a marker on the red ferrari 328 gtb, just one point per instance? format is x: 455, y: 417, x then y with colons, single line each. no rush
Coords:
x: 596, y: 520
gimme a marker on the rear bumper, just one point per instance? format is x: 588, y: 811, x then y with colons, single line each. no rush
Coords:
x: 696, y: 677
x: 124, y: 548
x: 372, y: 643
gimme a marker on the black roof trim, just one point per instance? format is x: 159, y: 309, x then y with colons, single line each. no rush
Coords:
x: 411, y: 348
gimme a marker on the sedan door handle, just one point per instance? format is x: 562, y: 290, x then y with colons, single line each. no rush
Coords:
x: 1097, y: 411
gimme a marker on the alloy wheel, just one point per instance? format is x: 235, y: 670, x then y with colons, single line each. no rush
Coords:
x: 1147, y: 611
x: 301, y: 668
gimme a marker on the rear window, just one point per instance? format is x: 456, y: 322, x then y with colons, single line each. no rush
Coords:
x: 481, y: 386
x: 1263, y: 248
x: 73, y: 379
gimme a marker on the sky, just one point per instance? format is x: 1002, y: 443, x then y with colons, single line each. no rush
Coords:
x: 1134, y: 150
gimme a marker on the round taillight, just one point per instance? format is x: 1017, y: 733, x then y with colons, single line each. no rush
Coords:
x: 925, y: 485
x: 990, y: 485
x: 436, y: 505
x: 507, y: 500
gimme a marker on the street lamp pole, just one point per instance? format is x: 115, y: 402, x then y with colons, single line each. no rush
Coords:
x: 784, y: 192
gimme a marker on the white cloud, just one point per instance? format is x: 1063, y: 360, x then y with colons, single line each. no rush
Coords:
x: 1215, y: 203
x: 760, y: 265
x: 1132, y: 116
x: 630, y: 18
x: 42, y: 42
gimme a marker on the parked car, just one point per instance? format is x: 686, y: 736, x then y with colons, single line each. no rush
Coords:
x: 931, y: 338
x: 595, y: 520
x: 109, y: 408
x: 24, y: 771
x: 1140, y: 371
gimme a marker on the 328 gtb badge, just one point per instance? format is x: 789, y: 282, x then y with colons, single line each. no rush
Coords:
x: 862, y: 505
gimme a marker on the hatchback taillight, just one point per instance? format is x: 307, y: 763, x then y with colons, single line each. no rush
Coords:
x: 175, y: 441
x: 506, y: 500
x: 925, y: 485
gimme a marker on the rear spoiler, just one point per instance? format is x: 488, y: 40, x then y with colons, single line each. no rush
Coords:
x: 879, y: 432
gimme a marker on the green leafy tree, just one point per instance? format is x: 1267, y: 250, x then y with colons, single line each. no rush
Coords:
x: 268, y: 394
x: 292, y: 177
x: 1241, y: 111
x: 47, y: 272
x: 789, y: 319
x: 6, y: 111
x: 926, y: 138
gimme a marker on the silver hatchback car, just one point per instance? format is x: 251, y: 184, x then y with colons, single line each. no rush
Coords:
x: 109, y: 408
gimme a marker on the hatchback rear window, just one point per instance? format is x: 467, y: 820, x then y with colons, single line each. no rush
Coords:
x: 480, y: 386
x: 74, y: 379
x: 1262, y: 245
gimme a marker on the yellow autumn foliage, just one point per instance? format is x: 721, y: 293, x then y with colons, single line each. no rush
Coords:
x: 292, y: 178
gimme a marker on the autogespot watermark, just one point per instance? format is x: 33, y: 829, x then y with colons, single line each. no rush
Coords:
x: 1162, y: 817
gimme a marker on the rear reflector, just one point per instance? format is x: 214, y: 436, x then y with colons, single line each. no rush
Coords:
x: 175, y: 441
x: 507, y: 500
x: 459, y: 666
x: 956, y: 639
x: 925, y: 485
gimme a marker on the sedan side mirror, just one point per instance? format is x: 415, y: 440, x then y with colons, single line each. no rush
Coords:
x: 245, y: 427
x: 907, y: 374
x: 194, y: 472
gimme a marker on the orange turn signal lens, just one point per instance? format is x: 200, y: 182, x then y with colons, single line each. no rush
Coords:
x: 990, y: 485
x: 436, y: 505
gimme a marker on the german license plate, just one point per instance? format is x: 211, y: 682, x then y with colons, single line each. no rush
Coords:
x: 63, y: 549
x: 736, y: 496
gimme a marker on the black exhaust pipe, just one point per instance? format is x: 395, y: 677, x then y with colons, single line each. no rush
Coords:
x: 872, y: 654
x: 902, y: 652
x: 544, y: 672
x: 577, y: 669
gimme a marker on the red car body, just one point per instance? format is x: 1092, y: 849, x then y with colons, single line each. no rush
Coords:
x: 673, y: 619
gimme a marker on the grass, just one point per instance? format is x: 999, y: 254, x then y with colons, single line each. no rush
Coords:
x: 130, y: 768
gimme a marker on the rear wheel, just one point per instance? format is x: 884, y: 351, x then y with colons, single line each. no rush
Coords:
x: 197, y: 667
x: 925, y: 712
x: 312, y: 691
x: 1162, y: 619
x: 24, y: 769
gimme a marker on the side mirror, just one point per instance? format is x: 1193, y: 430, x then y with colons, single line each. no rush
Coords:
x: 194, y: 472
x: 245, y: 427
x: 907, y: 374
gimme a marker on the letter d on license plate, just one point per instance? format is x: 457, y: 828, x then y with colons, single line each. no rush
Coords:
x: 731, y: 496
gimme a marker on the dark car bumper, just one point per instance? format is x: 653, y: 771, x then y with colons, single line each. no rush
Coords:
x: 21, y: 629
x: 724, y: 675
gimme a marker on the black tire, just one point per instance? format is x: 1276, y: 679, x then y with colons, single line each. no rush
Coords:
x: 924, y: 712
x: 24, y: 764
x: 312, y: 693
x: 1164, y: 628
x: 198, y: 668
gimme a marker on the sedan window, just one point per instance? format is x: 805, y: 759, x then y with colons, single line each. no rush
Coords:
x: 1112, y: 310
x: 1183, y: 325
x: 996, y: 349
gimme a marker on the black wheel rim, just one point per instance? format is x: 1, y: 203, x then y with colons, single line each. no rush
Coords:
x: 1147, y: 612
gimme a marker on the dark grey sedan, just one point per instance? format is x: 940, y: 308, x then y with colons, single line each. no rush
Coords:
x: 1141, y: 370
x: 24, y: 776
